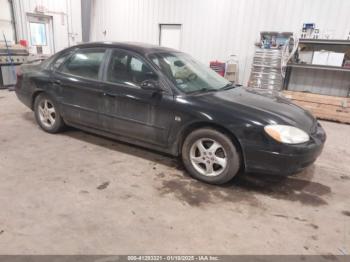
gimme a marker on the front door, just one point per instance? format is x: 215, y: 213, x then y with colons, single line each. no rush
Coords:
x: 130, y: 110
x: 80, y: 90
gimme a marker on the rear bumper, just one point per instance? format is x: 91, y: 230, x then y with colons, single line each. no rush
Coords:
x: 24, y: 97
x: 285, y: 159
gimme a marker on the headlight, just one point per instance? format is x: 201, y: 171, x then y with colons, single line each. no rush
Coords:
x: 287, y: 134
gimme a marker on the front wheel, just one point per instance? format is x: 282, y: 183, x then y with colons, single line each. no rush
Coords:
x: 210, y: 156
x: 46, y: 114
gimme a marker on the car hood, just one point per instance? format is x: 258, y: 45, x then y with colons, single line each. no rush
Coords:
x: 265, y: 105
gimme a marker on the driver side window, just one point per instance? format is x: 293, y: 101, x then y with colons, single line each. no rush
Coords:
x: 127, y: 69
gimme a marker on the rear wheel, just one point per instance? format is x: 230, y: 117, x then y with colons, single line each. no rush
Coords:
x: 210, y: 156
x: 46, y: 114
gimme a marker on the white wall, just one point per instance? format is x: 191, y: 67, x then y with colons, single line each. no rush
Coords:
x: 66, y: 17
x: 214, y: 29
x: 6, y: 26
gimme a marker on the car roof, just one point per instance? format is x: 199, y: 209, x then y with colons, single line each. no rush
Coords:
x: 141, y: 48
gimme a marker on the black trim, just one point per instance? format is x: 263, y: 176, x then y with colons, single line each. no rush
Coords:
x: 113, y: 116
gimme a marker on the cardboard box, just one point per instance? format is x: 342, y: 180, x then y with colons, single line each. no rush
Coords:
x: 306, y: 56
x: 324, y: 57
x: 335, y: 59
x: 231, y: 72
x: 320, y: 57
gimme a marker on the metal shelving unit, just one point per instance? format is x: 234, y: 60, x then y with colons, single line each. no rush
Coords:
x: 321, y: 67
x: 10, y: 58
x: 319, y: 79
x: 324, y: 41
x: 322, y: 89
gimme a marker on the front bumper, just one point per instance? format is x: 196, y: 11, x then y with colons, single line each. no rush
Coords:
x: 285, y: 159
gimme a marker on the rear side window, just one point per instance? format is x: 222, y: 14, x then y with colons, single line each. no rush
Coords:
x: 85, y: 63
x: 59, y: 61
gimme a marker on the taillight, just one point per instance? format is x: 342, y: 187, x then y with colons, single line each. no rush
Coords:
x: 19, y: 75
x: 19, y: 71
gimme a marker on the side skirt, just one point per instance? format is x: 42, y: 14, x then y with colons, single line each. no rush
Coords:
x: 170, y: 151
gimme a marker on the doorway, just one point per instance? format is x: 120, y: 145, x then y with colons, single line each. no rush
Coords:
x: 40, y: 34
x: 170, y: 35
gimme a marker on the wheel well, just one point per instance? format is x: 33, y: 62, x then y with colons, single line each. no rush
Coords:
x: 219, y: 128
x: 34, y: 97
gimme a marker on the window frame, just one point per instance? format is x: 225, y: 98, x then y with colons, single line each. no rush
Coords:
x: 68, y: 54
x: 31, y: 31
x: 74, y: 52
x: 129, y: 53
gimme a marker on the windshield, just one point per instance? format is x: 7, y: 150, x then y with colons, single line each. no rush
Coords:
x: 188, y: 74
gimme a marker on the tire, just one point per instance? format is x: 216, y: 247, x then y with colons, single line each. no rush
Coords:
x: 210, y: 156
x: 47, y: 115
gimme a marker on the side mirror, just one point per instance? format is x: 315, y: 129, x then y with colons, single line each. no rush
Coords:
x: 152, y: 76
x: 151, y: 85
x: 179, y: 63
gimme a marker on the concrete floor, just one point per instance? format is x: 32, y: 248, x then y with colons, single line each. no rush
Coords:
x: 76, y: 193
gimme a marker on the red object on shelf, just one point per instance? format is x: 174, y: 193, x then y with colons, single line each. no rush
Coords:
x: 218, y: 67
x: 23, y: 43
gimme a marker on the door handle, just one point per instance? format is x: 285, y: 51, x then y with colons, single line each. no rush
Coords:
x: 57, y: 82
x: 109, y: 94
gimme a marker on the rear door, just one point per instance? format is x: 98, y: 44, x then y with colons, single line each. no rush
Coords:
x: 79, y: 86
x: 132, y: 111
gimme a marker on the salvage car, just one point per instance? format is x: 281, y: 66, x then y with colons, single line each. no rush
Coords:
x: 165, y: 100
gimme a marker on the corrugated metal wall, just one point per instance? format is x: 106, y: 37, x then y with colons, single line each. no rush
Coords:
x: 6, y: 26
x: 320, y: 81
x: 215, y: 29
x: 66, y: 17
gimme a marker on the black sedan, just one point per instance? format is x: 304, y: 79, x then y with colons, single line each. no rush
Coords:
x: 163, y: 99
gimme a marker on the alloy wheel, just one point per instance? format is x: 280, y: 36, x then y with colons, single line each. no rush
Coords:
x: 47, y: 113
x: 208, y: 157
